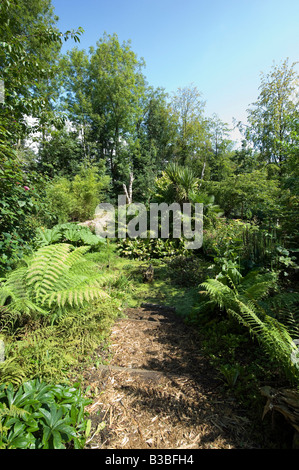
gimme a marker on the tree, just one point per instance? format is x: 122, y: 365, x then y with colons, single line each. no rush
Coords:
x: 269, y: 117
x: 153, y: 146
x: 158, y: 130
x: 290, y: 182
x: 61, y: 154
x: 77, y: 95
x: 219, y: 159
x: 245, y: 159
x: 29, y: 46
x: 188, y: 108
x: 30, y: 43
x: 117, y: 94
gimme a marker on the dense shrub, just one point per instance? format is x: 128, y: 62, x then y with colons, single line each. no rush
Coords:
x: 23, y: 208
x: 78, y: 198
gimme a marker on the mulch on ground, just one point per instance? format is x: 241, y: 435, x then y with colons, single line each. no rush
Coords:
x: 159, y: 392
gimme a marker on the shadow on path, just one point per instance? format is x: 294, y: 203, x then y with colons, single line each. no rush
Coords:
x: 159, y: 392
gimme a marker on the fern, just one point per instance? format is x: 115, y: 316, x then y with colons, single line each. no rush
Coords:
x: 257, y: 286
x: 242, y: 302
x: 13, y: 411
x: 284, y: 307
x: 49, y: 351
x: 74, y: 296
x: 56, y: 277
x: 12, y: 372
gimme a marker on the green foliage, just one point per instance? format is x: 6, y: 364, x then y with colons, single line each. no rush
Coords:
x: 61, y: 154
x: 150, y: 248
x: 237, y: 361
x: 28, y: 49
x: 175, y: 185
x: 75, y: 234
x: 39, y: 415
x: 36, y: 349
x: 219, y: 161
x: 54, y: 303
x: 241, y: 301
x: 22, y: 209
x: 30, y: 43
x: 60, y: 198
x: 247, y: 195
x: 192, y: 134
x: 230, y: 374
x: 270, y: 117
x: 284, y: 306
x: 118, y: 92
x: 54, y: 278
x: 187, y: 270
x: 155, y: 142
x: 78, y: 198
x: 246, y: 245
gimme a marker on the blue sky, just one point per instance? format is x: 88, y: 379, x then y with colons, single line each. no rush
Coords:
x: 220, y: 46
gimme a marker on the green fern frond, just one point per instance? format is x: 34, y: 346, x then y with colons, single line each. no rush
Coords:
x: 57, y: 276
x: 77, y: 255
x: 244, y: 305
x: 12, y: 411
x: 285, y: 307
x: 256, y: 285
x: 48, y: 263
x: 285, y: 300
x: 258, y: 291
x: 12, y: 372
x: 15, y: 286
x: 76, y: 296
x: 219, y: 292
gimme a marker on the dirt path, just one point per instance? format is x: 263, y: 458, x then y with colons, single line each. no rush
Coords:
x: 158, y: 392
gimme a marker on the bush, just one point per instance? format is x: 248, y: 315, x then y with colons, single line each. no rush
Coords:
x: 77, y: 199
x: 60, y: 198
x: 22, y: 209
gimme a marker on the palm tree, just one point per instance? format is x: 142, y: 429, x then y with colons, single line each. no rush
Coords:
x: 182, y: 182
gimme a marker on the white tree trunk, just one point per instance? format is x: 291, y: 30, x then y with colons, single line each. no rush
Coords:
x: 129, y: 193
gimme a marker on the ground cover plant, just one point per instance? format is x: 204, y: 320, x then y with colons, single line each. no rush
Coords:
x: 42, y: 416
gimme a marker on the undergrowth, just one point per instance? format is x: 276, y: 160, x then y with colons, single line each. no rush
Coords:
x: 51, y: 351
x: 58, y: 351
x: 50, y: 346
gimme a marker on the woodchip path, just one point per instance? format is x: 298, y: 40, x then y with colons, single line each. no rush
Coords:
x: 159, y: 392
